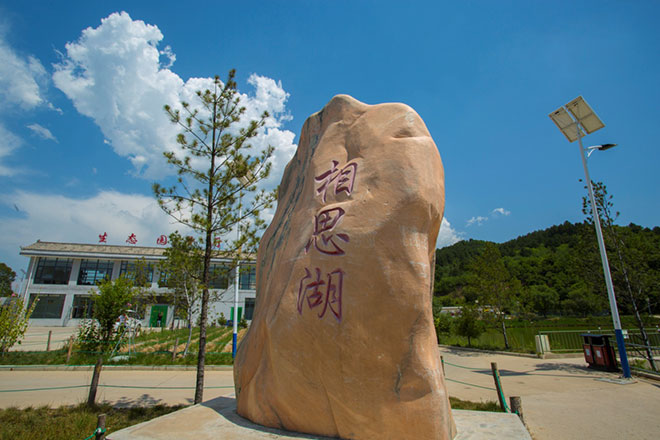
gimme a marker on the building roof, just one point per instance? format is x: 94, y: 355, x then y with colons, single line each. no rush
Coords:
x: 78, y: 250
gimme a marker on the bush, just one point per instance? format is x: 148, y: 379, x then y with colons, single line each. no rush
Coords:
x: 14, y: 320
x: 90, y: 338
x: 242, y: 323
x: 222, y: 321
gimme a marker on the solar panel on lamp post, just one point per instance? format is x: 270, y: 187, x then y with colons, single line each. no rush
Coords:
x: 581, y: 121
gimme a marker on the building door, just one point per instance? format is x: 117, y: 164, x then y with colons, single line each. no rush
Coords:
x: 240, y: 314
x: 154, y: 318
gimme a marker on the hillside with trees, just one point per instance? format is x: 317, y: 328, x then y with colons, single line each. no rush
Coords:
x: 554, y: 272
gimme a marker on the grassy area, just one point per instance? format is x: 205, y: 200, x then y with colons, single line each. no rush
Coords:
x: 474, y: 406
x: 71, y: 422
x: 521, y: 333
x: 151, y: 348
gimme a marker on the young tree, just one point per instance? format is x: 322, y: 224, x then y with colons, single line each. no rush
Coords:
x: 495, y: 285
x: 215, y: 169
x: 7, y: 276
x: 14, y: 320
x: 109, y: 302
x: 631, y: 272
x: 183, y: 268
x: 469, y: 323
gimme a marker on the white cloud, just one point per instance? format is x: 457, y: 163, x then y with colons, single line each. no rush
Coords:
x: 8, y: 143
x: 42, y: 132
x: 500, y: 211
x: 447, y: 235
x: 116, y: 75
x: 479, y: 220
x: 61, y: 218
x: 19, y: 79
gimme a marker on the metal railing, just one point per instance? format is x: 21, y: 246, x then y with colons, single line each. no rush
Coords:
x: 566, y: 341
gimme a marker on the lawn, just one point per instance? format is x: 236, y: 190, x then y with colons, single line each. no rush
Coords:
x: 150, y: 348
x: 521, y: 333
x: 71, y: 422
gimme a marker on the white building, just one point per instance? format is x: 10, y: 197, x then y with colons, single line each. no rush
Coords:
x: 63, y: 274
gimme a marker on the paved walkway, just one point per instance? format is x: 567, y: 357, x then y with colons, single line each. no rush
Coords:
x: 36, y: 338
x: 562, y: 399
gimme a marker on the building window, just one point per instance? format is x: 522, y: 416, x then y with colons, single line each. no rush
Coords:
x: 128, y: 270
x: 82, y: 307
x: 219, y: 276
x: 48, y: 306
x: 164, y: 279
x: 53, y: 271
x: 249, y: 308
x: 93, y: 271
x: 248, y: 277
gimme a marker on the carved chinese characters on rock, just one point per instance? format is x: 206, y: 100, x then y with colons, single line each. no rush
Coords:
x: 343, y: 179
x: 319, y: 291
x: 324, y: 239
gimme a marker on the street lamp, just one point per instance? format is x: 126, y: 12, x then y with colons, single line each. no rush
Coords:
x: 582, y: 122
x: 245, y: 181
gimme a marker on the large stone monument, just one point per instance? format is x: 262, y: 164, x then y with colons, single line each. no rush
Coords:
x: 342, y: 341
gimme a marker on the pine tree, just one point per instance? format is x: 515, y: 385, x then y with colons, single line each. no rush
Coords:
x: 215, y: 169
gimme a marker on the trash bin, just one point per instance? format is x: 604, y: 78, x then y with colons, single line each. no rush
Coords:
x: 598, y: 352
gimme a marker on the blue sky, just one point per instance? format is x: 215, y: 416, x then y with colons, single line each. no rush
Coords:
x: 79, y: 148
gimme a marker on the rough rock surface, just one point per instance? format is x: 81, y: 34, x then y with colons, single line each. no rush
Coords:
x: 342, y: 341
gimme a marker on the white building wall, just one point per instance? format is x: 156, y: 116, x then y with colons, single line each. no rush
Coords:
x: 221, y: 301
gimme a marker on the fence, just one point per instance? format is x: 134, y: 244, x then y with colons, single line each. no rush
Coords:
x: 572, y: 341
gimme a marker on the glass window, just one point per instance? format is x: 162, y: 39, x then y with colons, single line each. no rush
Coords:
x: 48, y: 306
x: 53, y: 271
x: 93, y: 271
x: 164, y: 279
x: 219, y: 276
x: 248, y: 277
x: 82, y: 307
x: 249, y: 308
x: 128, y: 269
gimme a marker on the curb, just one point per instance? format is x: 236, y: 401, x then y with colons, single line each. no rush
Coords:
x: 114, y: 367
x: 479, y: 350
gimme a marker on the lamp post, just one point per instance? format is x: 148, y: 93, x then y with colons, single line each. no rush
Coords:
x: 245, y: 181
x: 584, y: 120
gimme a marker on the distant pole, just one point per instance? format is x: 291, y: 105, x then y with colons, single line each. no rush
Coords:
x: 620, y: 342
x: 68, y: 353
x: 234, y: 338
x: 50, y: 334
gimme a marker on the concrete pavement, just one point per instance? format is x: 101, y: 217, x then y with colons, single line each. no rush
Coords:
x: 562, y: 399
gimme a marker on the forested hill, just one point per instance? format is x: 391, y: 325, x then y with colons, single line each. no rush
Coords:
x: 555, y: 270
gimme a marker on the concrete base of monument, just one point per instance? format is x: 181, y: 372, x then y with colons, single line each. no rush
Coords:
x: 217, y: 419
